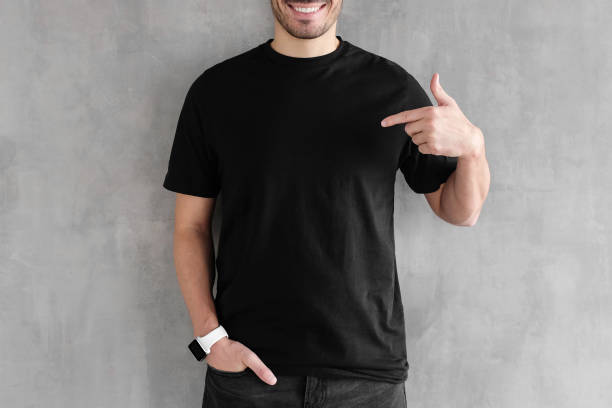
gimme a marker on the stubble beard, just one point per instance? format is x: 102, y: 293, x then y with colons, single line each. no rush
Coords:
x: 303, y: 30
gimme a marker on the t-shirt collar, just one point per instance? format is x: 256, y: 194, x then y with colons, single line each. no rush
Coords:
x: 319, y: 60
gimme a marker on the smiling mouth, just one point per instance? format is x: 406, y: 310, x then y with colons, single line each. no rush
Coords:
x: 306, y: 9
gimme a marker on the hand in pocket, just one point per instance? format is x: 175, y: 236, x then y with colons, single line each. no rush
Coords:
x: 233, y: 356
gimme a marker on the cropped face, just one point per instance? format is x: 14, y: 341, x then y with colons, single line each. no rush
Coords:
x: 306, y: 19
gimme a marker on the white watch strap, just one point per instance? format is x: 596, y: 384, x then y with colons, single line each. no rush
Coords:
x: 211, y: 338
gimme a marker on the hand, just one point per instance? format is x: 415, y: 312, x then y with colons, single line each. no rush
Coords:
x: 441, y: 130
x: 230, y: 355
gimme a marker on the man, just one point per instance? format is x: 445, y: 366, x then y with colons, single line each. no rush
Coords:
x: 308, y: 310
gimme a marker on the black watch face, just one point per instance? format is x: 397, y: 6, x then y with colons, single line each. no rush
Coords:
x: 197, y: 350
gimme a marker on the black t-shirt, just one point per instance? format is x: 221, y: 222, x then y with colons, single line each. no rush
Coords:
x: 306, y: 258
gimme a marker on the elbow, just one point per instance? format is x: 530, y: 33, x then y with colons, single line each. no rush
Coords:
x: 459, y: 215
x: 471, y: 220
x: 469, y: 223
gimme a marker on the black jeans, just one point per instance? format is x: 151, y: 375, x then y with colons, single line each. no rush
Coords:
x: 224, y: 389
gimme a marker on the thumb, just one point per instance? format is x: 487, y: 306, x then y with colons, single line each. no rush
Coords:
x: 252, y: 360
x: 436, y: 89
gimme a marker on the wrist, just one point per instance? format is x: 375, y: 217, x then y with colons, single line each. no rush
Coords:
x: 219, y: 343
x: 477, y: 147
x: 205, y: 328
x: 201, y: 346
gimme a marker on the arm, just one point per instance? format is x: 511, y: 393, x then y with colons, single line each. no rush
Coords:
x: 459, y: 200
x: 444, y: 130
x: 193, y: 174
x: 194, y: 259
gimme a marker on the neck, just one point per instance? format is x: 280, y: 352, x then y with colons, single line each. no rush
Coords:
x: 287, y: 44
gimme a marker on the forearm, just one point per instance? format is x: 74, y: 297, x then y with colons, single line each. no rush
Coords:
x: 194, y: 262
x: 466, y: 188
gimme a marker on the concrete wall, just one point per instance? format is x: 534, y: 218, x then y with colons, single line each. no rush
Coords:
x: 513, y: 312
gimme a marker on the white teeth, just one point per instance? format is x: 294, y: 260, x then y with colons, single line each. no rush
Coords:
x: 307, y: 10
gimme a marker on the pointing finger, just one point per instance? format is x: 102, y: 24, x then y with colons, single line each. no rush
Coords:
x: 405, y: 116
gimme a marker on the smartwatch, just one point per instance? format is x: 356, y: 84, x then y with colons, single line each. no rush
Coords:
x: 200, y: 346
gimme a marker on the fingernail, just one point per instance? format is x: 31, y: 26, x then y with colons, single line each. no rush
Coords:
x: 271, y: 378
x: 383, y: 123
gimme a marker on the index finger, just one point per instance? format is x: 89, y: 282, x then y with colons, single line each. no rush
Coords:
x: 405, y: 116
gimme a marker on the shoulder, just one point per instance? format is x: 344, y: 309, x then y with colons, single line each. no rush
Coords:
x: 221, y: 71
x: 380, y: 64
x: 389, y: 74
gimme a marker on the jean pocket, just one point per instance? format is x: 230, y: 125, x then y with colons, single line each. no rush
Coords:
x: 228, y: 373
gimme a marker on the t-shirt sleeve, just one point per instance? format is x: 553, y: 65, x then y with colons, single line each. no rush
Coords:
x: 423, y: 172
x: 193, y: 163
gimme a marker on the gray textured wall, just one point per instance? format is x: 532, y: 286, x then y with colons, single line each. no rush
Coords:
x: 516, y: 311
